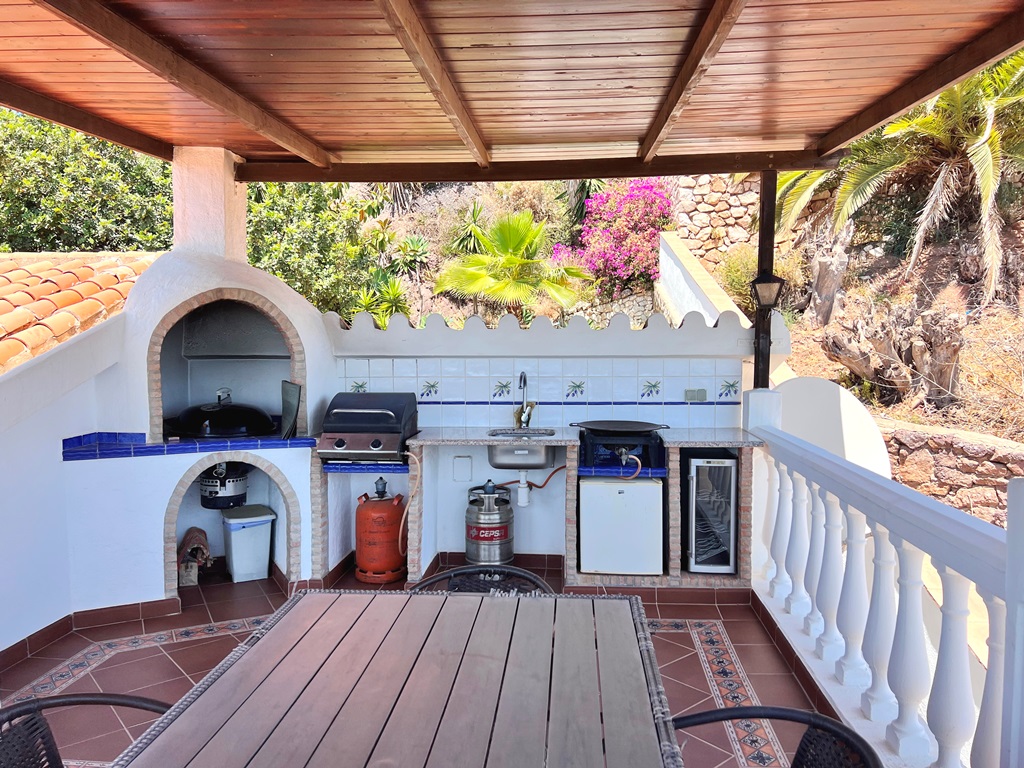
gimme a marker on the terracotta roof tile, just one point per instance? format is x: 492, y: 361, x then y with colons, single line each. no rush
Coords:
x: 47, y: 299
x: 62, y: 324
x: 15, y: 320
x: 41, y: 308
x: 10, y: 352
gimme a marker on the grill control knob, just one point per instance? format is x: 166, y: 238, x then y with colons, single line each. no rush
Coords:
x: 340, y: 443
x: 376, y: 444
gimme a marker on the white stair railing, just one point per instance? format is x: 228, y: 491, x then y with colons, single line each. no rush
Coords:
x: 869, y: 649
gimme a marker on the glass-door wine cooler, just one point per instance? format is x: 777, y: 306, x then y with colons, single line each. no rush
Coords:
x: 711, y: 545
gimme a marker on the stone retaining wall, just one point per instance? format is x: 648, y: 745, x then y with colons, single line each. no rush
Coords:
x: 637, y: 306
x: 966, y: 470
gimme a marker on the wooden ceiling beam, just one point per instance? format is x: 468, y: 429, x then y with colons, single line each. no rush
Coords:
x: 409, y: 29
x: 669, y: 165
x: 34, y: 103
x: 102, y: 24
x: 714, y: 32
x: 1005, y: 38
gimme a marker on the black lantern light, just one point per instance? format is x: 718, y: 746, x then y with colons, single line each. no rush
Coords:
x: 766, y: 289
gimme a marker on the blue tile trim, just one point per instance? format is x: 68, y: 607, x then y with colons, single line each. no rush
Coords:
x: 189, y: 446
x: 394, y: 469
x: 114, y: 451
x: 156, y: 449
x: 620, y: 472
x: 135, y: 438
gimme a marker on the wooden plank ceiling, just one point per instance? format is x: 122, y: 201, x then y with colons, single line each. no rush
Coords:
x: 473, y: 89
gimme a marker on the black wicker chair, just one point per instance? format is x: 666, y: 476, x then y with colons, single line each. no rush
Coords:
x: 503, y: 579
x: 25, y: 737
x: 826, y: 743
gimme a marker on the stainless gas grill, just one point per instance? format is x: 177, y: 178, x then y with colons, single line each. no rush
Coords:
x: 368, y: 427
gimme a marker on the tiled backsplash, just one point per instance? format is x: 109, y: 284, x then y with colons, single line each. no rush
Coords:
x: 455, y: 391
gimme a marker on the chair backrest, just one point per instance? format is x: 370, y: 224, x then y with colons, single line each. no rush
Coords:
x: 503, y: 579
x: 826, y: 743
x: 28, y: 743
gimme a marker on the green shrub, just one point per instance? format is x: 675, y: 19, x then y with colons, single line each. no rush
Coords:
x: 739, y: 266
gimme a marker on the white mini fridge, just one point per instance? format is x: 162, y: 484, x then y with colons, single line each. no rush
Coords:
x: 621, y: 526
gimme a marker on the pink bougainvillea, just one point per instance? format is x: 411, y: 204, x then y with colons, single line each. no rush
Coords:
x: 621, y: 233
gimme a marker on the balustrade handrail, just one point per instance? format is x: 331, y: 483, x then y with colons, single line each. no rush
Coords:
x: 975, y: 549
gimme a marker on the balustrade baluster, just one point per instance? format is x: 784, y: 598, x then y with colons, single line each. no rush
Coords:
x: 781, y: 584
x: 985, y: 750
x: 951, y: 703
x: 765, y: 566
x: 813, y: 622
x: 798, y: 602
x: 908, y: 665
x: 852, y: 669
x: 829, y: 645
x: 878, y: 701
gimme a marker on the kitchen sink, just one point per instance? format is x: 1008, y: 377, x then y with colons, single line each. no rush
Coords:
x: 523, y: 432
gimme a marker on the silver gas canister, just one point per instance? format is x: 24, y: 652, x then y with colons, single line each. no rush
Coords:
x: 489, y: 525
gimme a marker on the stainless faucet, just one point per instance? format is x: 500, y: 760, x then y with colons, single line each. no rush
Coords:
x: 522, y: 414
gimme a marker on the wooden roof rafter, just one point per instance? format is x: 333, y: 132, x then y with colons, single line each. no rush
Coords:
x: 982, y: 52
x: 716, y: 28
x: 414, y: 38
x: 120, y: 34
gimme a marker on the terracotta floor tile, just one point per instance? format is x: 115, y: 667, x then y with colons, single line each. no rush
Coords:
x: 689, y: 671
x: 25, y: 672
x: 71, y: 725
x: 276, y: 600
x: 113, y: 631
x: 747, y: 632
x: 169, y: 691
x: 218, y: 593
x: 762, y: 659
x: 128, y: 678
x: 269, y: 587
x: 737, y: 613
x: 779, y: 691
x: 682, y: 639
x: 130, y: 716
x: 190, y: 596
x: 84, y: 684
x: 673, y: 611
x: 666, y: 652
x: 64, y: 648
x: 674, y: 596
x: 241, y: 608
x: 194, y: 616
x: 683, y: 698
x: 701, y: 754
x: 101, y: 748
x: 202, y: 657
x: 126, y: 657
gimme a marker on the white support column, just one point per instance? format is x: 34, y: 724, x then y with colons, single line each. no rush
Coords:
x: 909, y: 676
x: 798, y: 602
x: 209, y: 205
x: 951, y: 703
x: 829, y: 645
x: 852, y: 669
x: 1012, y: 737
x: 985, y: 750
x: 813, y: 622
x: 781, y: 584
x: 878, y: 701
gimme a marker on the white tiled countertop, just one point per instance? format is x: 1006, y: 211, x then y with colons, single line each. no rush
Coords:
x: 705, y: 438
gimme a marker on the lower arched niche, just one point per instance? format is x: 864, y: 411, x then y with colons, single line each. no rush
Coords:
x: 288, y: 522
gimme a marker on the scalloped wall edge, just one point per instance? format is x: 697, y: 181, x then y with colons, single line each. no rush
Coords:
x: 727, y: 338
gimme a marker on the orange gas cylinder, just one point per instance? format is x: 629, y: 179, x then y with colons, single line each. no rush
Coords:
x: 379, y: 557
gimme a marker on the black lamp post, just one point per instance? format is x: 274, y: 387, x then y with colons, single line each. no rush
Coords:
x: 765, y: 289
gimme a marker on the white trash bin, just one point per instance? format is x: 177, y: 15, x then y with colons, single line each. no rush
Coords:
x: 247, y: 541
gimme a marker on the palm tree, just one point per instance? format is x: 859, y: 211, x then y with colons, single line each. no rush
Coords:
x: 960, y: 146
x: 511, y: 270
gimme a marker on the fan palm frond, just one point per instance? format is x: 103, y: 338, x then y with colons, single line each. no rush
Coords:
x: 936, y: 209
x: 797, y: 196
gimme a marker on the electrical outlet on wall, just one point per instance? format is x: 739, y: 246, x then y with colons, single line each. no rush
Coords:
x: 462, y: 469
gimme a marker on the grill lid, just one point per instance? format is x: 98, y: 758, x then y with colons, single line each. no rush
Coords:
x: 382, y: 412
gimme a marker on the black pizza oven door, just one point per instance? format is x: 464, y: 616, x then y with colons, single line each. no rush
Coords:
x: 224, y: 485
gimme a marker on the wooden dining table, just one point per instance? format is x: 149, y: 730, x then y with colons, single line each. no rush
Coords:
x: 347, y: 679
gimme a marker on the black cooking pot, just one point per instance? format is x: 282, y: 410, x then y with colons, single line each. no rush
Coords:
x: 617, y: 427
x: 224, y: 419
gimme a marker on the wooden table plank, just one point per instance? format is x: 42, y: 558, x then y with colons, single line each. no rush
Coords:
x: 465, y: 730
x: 194, y: 727
x: 630, y: 736
x: 354, y: 733
x: 244, y: 733
x: 301, y: 729
x: 574, y: 728
x: 519, y: 739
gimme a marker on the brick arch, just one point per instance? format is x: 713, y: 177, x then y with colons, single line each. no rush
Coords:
x: 292, y: 508
x: 257, y: 301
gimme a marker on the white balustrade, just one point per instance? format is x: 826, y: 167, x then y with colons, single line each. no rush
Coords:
x: 765, y: 566
x: 781, y: 584
x: 985, y: 750
x: 951, y: 703
x: 878, y: 701
x: 830, y: 644
x: 909, y: 675
x: 798, y: 602
x: 851, y: 668
x: 813, y: 621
